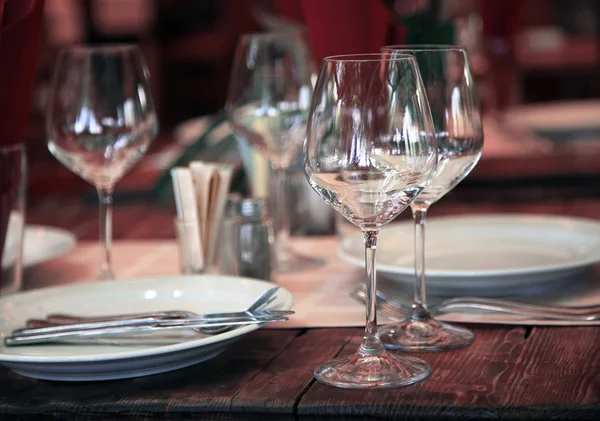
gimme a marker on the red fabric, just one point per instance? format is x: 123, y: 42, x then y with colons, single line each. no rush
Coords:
x: 20, y: 35
x: 343, y: 26
x: 501, y: 18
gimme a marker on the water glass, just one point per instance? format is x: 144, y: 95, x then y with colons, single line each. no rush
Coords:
x: 12, y: 216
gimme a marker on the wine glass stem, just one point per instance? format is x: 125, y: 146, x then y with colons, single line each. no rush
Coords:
x: 419, y: 307
x: 282, y: 236
x: 105, y: 197
x: 371, y: 344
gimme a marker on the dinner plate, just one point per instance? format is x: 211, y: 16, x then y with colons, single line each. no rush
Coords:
x: 40, y: 243
x: 68, y: 362
x: 486, y: 255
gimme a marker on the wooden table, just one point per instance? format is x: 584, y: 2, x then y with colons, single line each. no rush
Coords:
x: 508, y: 373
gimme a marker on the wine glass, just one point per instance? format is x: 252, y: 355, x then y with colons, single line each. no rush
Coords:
x: 100, y: 121
x: 370, y: 150
x: 268, y: 102
x: 446, y: 73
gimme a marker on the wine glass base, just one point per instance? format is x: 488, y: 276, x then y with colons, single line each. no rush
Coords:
x: 290, y: 261
x: 372, y: 372
x: 105, y: 275
x: 425, y: 334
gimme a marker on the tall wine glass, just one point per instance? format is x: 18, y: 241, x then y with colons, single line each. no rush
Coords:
x: 268, y: 102
x: 370, y: 150
x: 446, y: 72
x: 100, y: 121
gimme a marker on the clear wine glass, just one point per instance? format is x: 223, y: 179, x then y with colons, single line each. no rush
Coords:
x: 370, y: 150
x: 100, y: 121
x: 446, y: 73
x: 268, y: 102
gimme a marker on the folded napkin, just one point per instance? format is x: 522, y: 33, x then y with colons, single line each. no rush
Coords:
x: 200, y: 193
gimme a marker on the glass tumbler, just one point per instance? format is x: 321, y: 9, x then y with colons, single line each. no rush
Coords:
x: 12, y: 216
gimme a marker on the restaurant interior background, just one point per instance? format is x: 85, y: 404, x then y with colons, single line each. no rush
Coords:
x: 537, y: 67
x: 537, y: 63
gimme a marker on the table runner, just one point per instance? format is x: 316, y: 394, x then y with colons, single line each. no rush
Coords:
x: 321, y: 295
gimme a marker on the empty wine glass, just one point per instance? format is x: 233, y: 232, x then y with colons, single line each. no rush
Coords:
x: 268, y: 102
x: 370, y: 150
x: 100, y: 121
x: 446, y: 73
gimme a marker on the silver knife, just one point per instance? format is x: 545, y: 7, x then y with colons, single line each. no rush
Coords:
x: 38, y: 338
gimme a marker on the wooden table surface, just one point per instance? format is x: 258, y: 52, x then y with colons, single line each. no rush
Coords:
x: 507, y: 373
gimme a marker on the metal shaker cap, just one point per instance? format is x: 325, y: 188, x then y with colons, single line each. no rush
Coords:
x: 253, y: 208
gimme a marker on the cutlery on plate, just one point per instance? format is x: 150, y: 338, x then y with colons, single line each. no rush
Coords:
x: 260, y: 303
x: 214, y: 319
x: 397, y: 310
x: 39, y: 336
x: 53, y: 320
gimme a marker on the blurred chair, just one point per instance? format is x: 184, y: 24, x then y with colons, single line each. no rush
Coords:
x: 197, y: 40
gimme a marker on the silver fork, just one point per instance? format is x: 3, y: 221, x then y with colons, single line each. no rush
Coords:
x: 58, y: 320
x: 396, y: 310
x: 33, y: 337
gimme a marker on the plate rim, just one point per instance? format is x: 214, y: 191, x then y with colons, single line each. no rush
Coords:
x: 151, y: 350
x: 453, y: 273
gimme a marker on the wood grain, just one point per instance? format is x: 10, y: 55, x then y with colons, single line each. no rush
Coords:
x: 206, y: 388
x: 557, y: 366
x: 461, y: 381
x: 278, y: 387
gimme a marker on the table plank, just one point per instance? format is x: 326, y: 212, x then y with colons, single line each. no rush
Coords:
x: 556, y: 368
x: 464, y: 382
x: 280, y: 385
x: 502, y: 375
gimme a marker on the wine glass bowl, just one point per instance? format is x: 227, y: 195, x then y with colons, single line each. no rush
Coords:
x: 100, y: 120
x: 446, y: 72
x: 370, y: 149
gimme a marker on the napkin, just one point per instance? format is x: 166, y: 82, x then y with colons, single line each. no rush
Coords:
x: 200, y: 193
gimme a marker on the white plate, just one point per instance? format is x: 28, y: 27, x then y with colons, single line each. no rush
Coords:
x: 67, y: 362
x: 41, y: 244
x: 486, y: 254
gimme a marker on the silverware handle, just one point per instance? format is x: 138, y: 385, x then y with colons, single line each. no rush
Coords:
x: 533, y: 313
x: 71, y: 319
x: 580, y: 310
x: 51, y: 328
x: 31, y: 339
x: 212, y: 320
x: 151, y: 321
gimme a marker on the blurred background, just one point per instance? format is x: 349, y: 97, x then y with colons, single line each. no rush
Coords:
x: 537, y: 65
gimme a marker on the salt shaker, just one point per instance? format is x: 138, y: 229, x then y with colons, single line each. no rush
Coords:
x: 249, y: 241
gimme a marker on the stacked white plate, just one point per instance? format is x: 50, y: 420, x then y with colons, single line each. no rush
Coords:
x: 40, y: 243
x: 69, y: 362
x: 486, y: 255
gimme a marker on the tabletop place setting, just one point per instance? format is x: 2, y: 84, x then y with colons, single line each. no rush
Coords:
x: 380, y: 138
